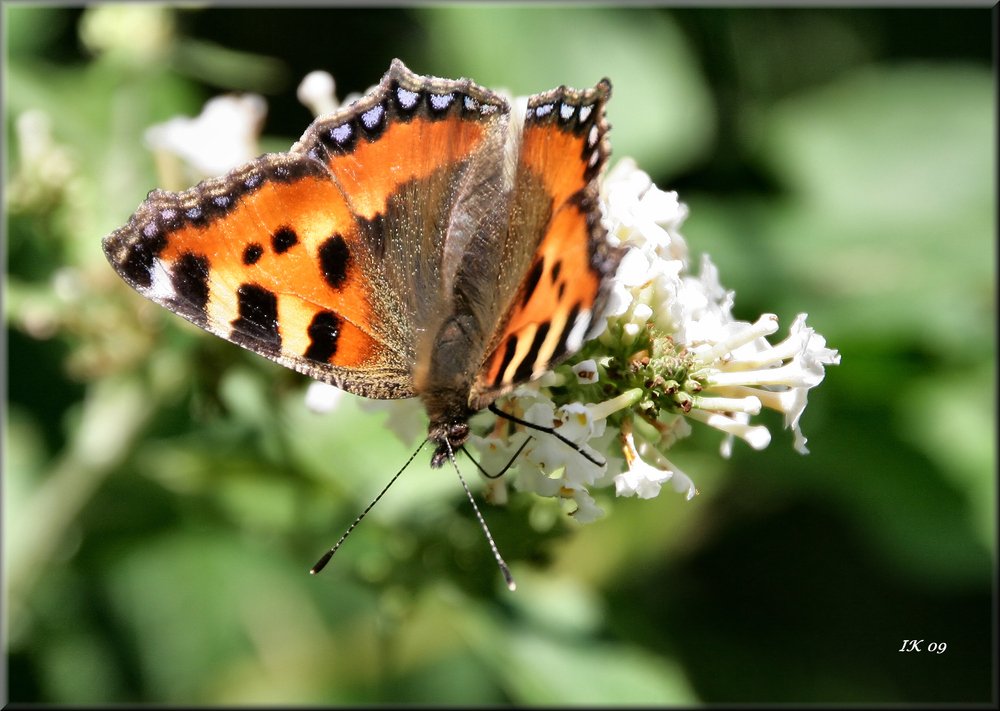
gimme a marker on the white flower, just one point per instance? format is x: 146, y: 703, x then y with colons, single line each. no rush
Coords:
x: 550, y: 455
x: 322, y: 398
x: 586, y: 510
x: 222, y: 137
x: 495, y: 452
x: 317, y: 93
x: 586, y: 372
x: 644, y: 479
x: 688, y: 361
x: 496, y: 457
x: 531, y: 478
x: 641, y: 214
x: 778, y: 376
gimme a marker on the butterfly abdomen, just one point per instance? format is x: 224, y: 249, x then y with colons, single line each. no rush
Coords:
x: 443, y: 383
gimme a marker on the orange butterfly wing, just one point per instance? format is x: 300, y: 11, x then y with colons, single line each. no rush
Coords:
x: 555, y: 207
x: 269, y: 257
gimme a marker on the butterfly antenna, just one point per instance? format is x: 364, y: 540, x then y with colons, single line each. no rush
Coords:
x: 507, y: 466
x: 326, y: 558
x: 548, y: 430
x: 486, y: 529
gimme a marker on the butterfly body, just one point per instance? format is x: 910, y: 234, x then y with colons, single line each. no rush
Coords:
x: 424, y: 241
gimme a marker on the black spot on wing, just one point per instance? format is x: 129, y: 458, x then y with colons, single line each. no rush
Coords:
x: 560, y: 350
x: 324, y: 330
x: 283, y: 240
x: 334, y: 261
x: 137, y: 267
x: 534, y: 276
x: 556, y: 268
x: 526, y: 366
x: 189, y: 277
x: 257, y: 326
x: 252, y: 253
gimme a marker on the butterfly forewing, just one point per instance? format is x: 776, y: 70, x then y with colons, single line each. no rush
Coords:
x: 269, y: 257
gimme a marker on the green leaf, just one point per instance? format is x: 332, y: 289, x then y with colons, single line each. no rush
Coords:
x: 548, y: 671
x: 891, y: 218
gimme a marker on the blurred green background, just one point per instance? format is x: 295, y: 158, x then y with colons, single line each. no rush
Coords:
x: 165, y: 492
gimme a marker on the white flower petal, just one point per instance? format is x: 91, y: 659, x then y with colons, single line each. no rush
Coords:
x: 756, y: 436
x: 586, y: 372
x: 322, y: 397
x: 586, y: 509
x: 316, y: 92
x: 222, y: 137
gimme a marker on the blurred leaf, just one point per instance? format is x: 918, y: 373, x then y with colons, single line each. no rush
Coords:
x: 546, y: 671
x: 561, y: 604
x: 891, y: 218
x: 260, y: 503
x: 229, y: 69
x: 549, y: 667
x: 900, y: 144
x: 30, y: 28
x: 957, y: 432
x: 81, y: 669
x: 453, y: 680
x: 769, y: 47
x: 351, y: 448
x: 201, y: 602
x: 24, y: 455
x: 912, y: 517
x: 110, y: 418
x: 660, y: 110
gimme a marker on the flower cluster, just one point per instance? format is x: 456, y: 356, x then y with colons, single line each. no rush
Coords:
x: 672, y: 353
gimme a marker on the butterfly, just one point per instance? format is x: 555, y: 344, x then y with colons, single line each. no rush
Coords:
x: 427, y: 240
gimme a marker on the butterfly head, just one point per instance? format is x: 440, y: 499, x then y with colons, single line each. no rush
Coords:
x: 448, y: 436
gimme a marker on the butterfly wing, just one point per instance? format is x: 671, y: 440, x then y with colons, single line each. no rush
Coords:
x: 420, y: 159
x: 269, y: 257
x: 311, y: 258
x: 560, y: 259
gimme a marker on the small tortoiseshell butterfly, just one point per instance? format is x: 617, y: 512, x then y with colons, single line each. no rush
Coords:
x: 423, y: 241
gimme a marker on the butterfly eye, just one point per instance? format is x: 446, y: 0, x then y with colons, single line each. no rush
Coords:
x: 458, y: 433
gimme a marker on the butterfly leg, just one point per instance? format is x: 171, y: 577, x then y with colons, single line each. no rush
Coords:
x: 507, y: 466
x: 548, y: 430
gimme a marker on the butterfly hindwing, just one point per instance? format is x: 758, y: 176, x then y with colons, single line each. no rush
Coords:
x: 555, y: 208
x: 408, y: 129
x: 421, y: 158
